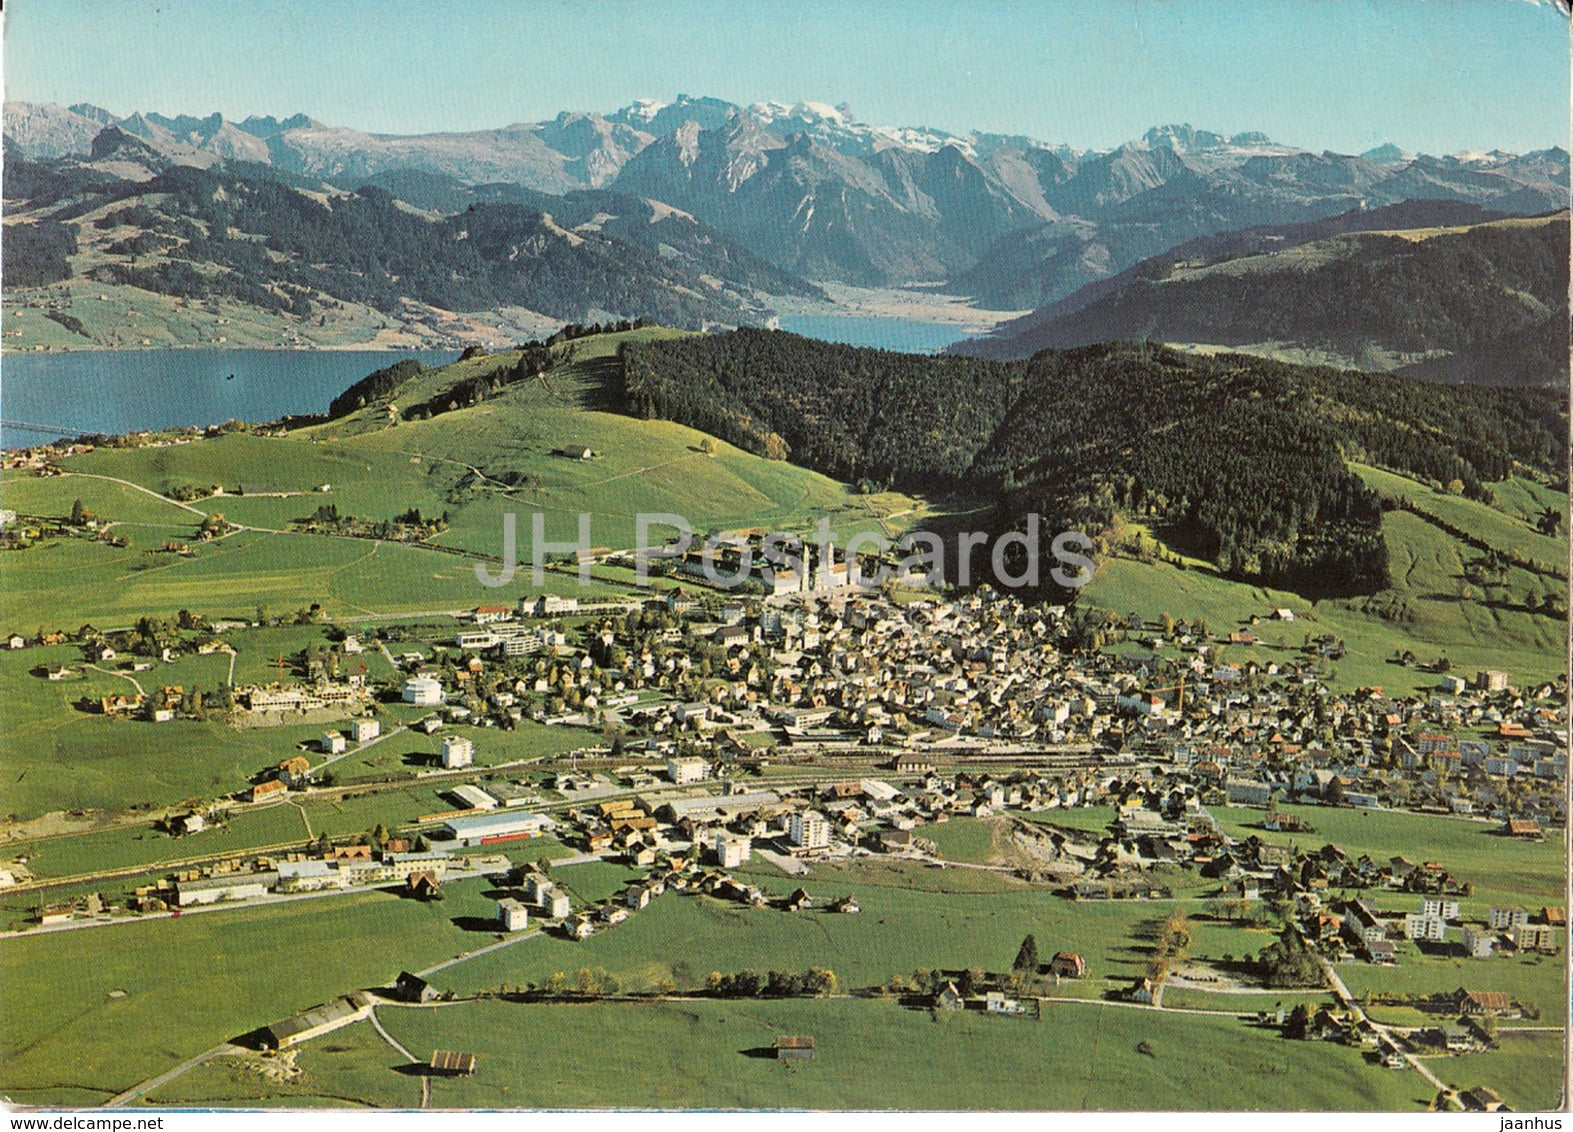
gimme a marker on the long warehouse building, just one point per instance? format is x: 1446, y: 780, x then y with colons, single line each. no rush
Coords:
x: 492, y: 829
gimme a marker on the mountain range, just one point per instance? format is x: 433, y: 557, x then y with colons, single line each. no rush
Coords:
x: 1012, y: 221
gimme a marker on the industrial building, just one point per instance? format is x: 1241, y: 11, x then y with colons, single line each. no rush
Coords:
x: 707, y: 807
x: 317, y: 1021
x: 493, y: 829
x: 240, y: 886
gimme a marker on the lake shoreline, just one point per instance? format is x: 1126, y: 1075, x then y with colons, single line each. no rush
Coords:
x: 914, y: 303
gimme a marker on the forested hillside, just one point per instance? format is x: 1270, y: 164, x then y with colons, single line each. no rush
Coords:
x: 1486, y: 303
x: 1237, y: 460
x: 195, y: 233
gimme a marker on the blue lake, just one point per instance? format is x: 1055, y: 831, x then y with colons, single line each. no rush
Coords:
x: 882, y: 333
x: 116, y: 391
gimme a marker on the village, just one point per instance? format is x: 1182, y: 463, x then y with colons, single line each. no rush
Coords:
x: 858, y: 677
x: 727, y: 734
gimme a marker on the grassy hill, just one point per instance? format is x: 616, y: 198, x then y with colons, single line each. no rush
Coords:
x: 1421, y: 610
x: 243, y: 257
x: 475, y: 464
x: 478, y: 462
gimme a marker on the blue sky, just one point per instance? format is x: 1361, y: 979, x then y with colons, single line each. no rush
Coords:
x: 1432, y: 75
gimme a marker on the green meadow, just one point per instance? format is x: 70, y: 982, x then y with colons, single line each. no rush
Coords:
x: 706, y: 1054
x: 911, y: 917
x: 68, y: 1036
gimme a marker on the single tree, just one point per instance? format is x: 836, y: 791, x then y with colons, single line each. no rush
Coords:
x: 1027, y: 958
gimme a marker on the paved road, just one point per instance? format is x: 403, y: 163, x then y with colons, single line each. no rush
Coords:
x: 1155, y: 1007
x: 376, y: 1024
x: 1335, y: 981
x: 143, y: 490
x: 152, y: 1083
x: 122, y: 675
x: 357, y: 749
x: 468, y: 955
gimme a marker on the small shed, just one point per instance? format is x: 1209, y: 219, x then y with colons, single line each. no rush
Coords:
x: 451, y: 1063
x: 794, y: 1048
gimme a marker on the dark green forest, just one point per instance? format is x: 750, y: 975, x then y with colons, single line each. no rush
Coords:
x: 37, y: 254
x: 1236, y: 459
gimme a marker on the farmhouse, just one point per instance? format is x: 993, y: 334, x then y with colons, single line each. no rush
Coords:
x: 1494, y: 1003
x: 422, y: 883
x: 269, y: 791
x: 949, y: 998
x: 1381, y: 950
x: 296, y: 768
x: 1141, y: 991
x: 413, y: 988
x: 1067, y: 965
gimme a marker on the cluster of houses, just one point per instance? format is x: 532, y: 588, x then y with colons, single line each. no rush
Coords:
x: 833, y: 670
x: 848, y: 673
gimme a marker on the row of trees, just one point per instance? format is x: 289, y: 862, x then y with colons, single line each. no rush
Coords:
x: 817, y: 982
x: 1171, y: 945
